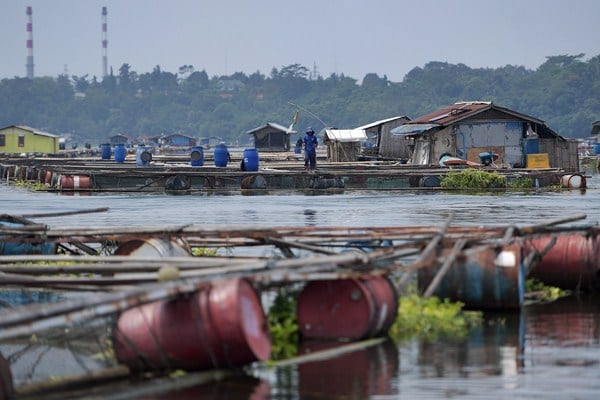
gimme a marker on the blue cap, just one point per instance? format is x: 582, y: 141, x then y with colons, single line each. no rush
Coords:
x: 309, y: 129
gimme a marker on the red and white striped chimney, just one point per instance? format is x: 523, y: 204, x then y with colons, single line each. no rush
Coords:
x: 104, y: 44
x: 29, y: 43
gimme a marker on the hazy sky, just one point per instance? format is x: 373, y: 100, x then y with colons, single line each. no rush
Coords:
x: 353, y: 37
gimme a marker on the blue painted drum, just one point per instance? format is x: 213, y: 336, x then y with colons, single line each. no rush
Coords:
x: 197, y: 156
x: 105, y: 151
x: 120, y: 153
x: 250, y: 160
x: 221, y: 155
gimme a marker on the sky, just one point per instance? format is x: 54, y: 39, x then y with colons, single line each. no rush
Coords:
x: 350, y: 37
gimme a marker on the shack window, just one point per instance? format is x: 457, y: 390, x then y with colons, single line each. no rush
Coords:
x: 2, y: 140
x: 21, y: 140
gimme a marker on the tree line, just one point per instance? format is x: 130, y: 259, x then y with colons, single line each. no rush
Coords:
x: 564, y: 92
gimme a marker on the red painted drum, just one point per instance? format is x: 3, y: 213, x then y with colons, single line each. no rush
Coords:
x: 346, y: 308
x: 74, y: 182
x: 48, y: 178
x: 221, y: 326
x: 572, y: 263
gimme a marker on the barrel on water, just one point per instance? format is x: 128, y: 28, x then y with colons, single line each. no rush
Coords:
x: 105, y: 151
x: 143, y: 156
x: 223, y: 325
x: 483, y: 277
x: 154, y: 247
x: 250, y: 160
x: 573, y: 181
x: 221, y: 155
x: 347, y: 308
x: 120, y: 153
x: 597, y: 148
x: 197, y: 156
x: 15, y: 247
x: 74, y: 182
x: 572, y: 263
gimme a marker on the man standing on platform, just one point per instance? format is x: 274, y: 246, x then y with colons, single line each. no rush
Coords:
x: 310, y: 150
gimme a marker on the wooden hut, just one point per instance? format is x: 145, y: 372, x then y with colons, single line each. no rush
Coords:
x: 343, y: 144
x: 465, y: 130
x: 271, y: 137
x: 24, y: 139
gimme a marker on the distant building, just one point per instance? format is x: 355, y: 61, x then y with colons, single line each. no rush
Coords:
x: 177, y: 139
x: 271, y: 137
x: 382, y: 142
x: 595, y: 128
x: 466, y: 129
x: 118, y: 139
x: 24, y: 139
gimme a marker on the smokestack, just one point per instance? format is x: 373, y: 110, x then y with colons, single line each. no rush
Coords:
x: 29, y: 43
x: 104, y: 44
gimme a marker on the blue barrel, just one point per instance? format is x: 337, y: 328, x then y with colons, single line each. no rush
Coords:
x: 532, y: 146
x: 197, y: 156
x: 250, y: 160
x: 143, y: 156
x: 120, y: 153
x: 105, y: 151
x: 597, y: 148
x: 221, y: 155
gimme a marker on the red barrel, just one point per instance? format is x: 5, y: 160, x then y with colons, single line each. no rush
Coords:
x: 572, y: 263
x: 221, y: 326
x: 74, y: 182
x: 48, y: 178
x: 346, y: 308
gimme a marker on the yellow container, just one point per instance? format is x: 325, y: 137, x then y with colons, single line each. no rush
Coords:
x: 537, y: 161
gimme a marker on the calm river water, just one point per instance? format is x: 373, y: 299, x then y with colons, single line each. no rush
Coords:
x: 547, y: 351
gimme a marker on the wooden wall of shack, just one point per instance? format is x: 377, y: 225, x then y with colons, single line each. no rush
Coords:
x: 561, y: 153
x: 343, y: 151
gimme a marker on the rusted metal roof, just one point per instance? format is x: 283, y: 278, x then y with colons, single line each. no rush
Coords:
x: 466, y: 109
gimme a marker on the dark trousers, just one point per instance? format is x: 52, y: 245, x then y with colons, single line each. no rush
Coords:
x: 310, y: 160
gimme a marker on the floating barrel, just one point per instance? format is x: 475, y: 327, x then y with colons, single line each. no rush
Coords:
x: 105, y: 151
x: 221, y: 155
x: 572, y: 263
x: 197, y: 156
x: 250, y: 160
x: 574, y: 181
x: 143, y: 156
x: 254, y: 182
x: 74, y: 182
x: 48, y: 178
x: 120, y: 153
x: 18, y: 248
x: 346, y: 308
x: 596, y: 148
x: 482, y: 277
x: 532, y: 146
x: 154, y: 247
x: 223, y: 325
x: 430, y: 181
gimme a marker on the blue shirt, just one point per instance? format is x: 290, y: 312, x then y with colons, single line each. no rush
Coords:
x: 310, y: 143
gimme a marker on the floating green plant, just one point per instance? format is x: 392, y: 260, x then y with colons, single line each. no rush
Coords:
x: 431, y: 317
x: 285, y: 333
x: 472, y: 178
x: 539, y: 292
x: 204, y: 251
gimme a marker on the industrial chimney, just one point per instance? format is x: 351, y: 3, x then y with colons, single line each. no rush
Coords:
x: 29, y: 43
x: 104, y: 44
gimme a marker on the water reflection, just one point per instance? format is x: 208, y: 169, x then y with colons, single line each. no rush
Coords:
x: 357, y: 375
x: 310, y: 217
x: 236, y: 388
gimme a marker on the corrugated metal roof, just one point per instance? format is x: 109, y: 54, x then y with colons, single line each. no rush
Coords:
x: 466, y: 109
x: 32, y: 130
x: 272, y: 125
x: 381, y: 122
x: 345, y: 135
